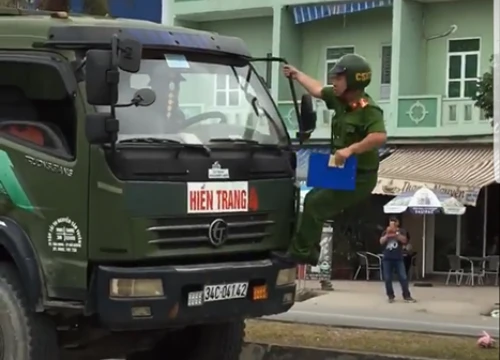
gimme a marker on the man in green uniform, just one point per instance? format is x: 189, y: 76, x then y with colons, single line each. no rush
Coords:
x: 357, y: 130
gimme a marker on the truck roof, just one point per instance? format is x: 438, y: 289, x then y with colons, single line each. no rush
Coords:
x: 24, y: 28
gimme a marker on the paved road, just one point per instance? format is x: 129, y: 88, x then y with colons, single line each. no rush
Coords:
x: 419, y: 322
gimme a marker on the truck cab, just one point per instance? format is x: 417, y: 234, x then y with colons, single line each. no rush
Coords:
x: 146, y: 177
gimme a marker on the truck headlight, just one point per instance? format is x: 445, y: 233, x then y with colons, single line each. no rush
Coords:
x: 135, y: 288
x: 286, y: 277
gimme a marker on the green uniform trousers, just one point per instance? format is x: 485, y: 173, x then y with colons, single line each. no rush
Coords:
x: 321, y: 205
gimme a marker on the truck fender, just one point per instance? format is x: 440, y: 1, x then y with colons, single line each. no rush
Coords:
x: 17, y: 244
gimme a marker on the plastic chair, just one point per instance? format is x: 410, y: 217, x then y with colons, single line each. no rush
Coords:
x: 492, y: 267
x: 369, y: 262
x: 455, y: 268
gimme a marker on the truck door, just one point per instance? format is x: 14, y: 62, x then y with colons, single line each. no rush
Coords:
x: 44, y: 166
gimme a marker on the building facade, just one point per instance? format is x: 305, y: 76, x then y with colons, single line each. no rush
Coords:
x: 426, y: 58
x: 426, y: 55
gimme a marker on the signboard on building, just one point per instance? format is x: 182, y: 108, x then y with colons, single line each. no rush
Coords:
x: 392, y: 187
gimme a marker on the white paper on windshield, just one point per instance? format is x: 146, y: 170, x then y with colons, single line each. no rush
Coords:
x: 176, y: 61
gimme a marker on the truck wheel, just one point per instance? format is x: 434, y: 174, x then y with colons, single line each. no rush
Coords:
x: 222, y: 341
x: 24, y: 335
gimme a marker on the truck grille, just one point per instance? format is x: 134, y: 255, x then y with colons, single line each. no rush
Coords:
x: 193, y: 231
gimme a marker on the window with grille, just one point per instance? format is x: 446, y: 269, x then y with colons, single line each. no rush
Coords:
x: 463, y: 67
x: 227, y: 91
x: 385, y: 72
x: 333, y: 54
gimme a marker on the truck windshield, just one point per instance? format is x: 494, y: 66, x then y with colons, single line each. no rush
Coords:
x: 199, y: 102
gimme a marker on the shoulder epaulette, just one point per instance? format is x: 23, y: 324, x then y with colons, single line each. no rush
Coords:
x: 363, y: 103
x: 360, y: 104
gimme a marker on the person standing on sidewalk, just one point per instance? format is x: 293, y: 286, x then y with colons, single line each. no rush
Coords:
x: 393, y: 239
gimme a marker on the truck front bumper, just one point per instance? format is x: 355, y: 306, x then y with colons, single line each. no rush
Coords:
x: 174, y: 306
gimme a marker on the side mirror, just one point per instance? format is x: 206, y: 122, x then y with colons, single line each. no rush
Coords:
x: 144, y: 97
x: 102, y: 75
x: 101, y: 128
x: 307, y: 117
x: 101, y: 79
x: 129, y: 55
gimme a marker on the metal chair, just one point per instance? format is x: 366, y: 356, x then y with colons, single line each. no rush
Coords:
x: 492, y: 267
x: 369, y: 262
x: 455, y: 268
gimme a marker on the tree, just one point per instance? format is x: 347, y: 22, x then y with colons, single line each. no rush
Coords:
x: 484, y: 96
x: 91, y: 7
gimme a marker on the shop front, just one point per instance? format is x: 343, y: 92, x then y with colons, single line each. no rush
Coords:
x: 464, y: 172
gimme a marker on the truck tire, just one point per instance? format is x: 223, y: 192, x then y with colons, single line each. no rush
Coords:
x: 222, y: 341
x: 24, y: 334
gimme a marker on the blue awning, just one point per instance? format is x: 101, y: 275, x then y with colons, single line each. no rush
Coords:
x: 307, y: 13
x: 303, y: 158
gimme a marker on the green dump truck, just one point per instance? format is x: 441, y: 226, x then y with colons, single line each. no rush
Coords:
x: 146, y: 177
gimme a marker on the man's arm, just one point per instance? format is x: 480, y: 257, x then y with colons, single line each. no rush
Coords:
x: 375, y: 129
x: 317, y: 90
x: 401, y: 236
x: 383, y: 238
x: 311, y: 85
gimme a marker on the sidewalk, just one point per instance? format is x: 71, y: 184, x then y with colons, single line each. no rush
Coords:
x: 440, y: 309
x: 463, y: 301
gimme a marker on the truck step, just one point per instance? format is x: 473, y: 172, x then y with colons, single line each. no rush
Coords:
x: 64, y: 304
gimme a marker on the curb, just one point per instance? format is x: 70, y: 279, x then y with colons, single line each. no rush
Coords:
x: 423, y: 332
x: 253, y: 351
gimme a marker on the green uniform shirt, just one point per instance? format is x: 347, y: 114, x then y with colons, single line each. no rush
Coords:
x: 352, y: 123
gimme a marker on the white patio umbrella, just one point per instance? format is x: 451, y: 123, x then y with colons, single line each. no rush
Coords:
x: 425, y: 201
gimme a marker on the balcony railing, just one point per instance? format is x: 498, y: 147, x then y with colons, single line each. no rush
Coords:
x: 456, y: 111
x: 433, y: 115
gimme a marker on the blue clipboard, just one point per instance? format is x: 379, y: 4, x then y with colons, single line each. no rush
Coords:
x: 320, y: 175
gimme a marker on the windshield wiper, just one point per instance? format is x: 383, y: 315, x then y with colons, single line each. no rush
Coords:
x: 153, y: 140
x: 235, y: 140
x: 253, y: 143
